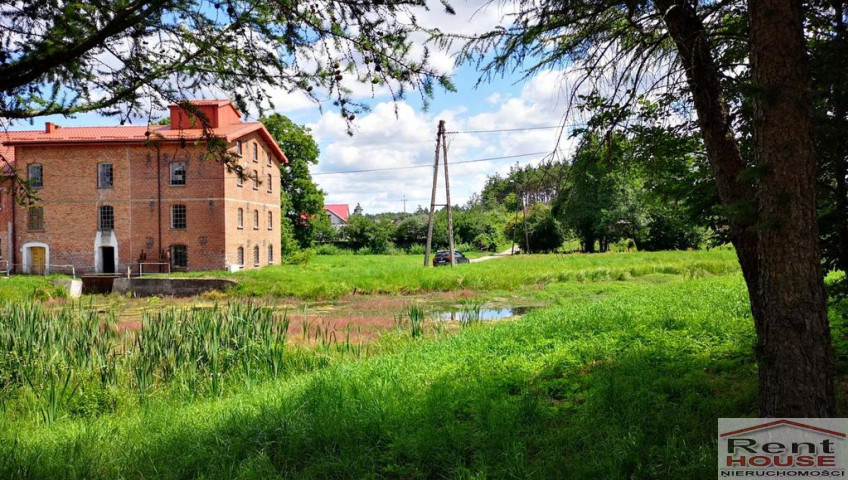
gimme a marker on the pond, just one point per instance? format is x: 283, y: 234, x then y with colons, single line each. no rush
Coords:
x: 485, y: 314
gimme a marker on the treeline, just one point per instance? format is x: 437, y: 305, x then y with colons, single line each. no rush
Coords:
x: 407, y: 232
x: 610, y: 193
x: 642, y: 192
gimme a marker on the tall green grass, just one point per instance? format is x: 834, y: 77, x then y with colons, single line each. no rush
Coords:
x: 627, y: 386
x: 73, y: 361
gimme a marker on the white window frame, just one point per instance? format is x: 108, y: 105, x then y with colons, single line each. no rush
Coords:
x: 172, y: 177
x: 174, y: 216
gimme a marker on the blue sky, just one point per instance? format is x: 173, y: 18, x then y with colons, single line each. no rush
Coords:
x: 384, y: 139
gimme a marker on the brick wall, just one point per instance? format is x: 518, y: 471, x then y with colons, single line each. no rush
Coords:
x: 252, y: 200
x: 5, y: 223
x: 70, y: 199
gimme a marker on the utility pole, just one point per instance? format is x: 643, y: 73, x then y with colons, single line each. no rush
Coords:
x: 404, y: 204
x: 441, y: 144
x: 524, y: 221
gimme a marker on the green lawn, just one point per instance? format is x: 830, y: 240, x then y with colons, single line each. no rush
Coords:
x: 330, y: 277
x: 624, y: 377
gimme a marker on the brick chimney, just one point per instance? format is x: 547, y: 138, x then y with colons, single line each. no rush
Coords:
x: 217, y: 112
x: 50, y: 127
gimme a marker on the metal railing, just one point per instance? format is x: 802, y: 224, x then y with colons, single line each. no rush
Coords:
x: 6, y: 268
x: 73, y: 269
x: 157, y: 271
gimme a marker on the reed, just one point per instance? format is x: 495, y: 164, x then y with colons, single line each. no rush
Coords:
x: 49, y: 357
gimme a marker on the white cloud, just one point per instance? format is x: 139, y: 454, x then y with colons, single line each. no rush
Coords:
x: 396, y: 135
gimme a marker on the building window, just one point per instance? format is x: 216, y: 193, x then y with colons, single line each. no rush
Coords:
x: 256, y: 219
x: 270, y: 254
x: 255, y: 180
x: 238, y: 148
x: 270, y: 220
x: 255, y: 152
x: 270, y: 183
x: 178, y: 217
x: 34, y: 174
x: 35, y: 220
x: 268, y: 158
x: 104, y: 175
x: 179, y: 256
x: 178, y: 173
x: 106, y: 218
x: 240, y: 218
x: 240, y: 256
x: 239, y: 180
x: 256, y: 256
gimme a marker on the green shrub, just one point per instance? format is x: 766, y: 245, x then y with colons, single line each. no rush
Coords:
x: 300, y: 257
x: 417, y: 249
x: 330, y: 249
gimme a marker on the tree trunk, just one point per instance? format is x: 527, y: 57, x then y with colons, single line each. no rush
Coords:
x: 779, y: 258
x: 795, y: 355
x: 588, y: 243
x: 840, y: 163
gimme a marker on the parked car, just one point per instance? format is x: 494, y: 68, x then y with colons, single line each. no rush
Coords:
x: 443, y: 258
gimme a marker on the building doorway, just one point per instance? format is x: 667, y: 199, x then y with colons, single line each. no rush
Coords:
x: 38, y: 260
x: 107, y: 254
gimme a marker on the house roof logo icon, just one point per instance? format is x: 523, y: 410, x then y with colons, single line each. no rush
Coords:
x: 782, y: 422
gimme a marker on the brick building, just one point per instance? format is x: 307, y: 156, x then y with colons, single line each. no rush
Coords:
x: 119, y: 198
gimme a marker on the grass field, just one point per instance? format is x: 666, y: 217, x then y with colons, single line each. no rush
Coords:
x: 331, y: 277
x: 623, y: 375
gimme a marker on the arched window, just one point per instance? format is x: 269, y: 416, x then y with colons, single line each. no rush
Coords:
x: 256, y: 219
x: 240, y: 218
x: 270, y: 254
x: 240, y: 256
x: 256, y: 256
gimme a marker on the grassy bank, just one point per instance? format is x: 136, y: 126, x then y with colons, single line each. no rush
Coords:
x: 624, y: 384
x: 330, y: 277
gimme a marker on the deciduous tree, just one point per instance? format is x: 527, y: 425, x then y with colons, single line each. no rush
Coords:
x: 301, y: 200
x: 683, y: 49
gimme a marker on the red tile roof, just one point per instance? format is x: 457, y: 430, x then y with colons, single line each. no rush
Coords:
x: 340, y: 210
x: 134, y: 134
x: 217, y: 102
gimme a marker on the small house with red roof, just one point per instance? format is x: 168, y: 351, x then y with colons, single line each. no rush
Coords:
x: 338, y: 213
x: 144, y: 198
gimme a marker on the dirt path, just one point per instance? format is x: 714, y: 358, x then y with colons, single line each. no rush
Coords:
x: 505, y: 253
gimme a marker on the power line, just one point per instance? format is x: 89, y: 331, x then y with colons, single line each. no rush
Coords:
x: 405, y: 167
x: 551, y: 127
